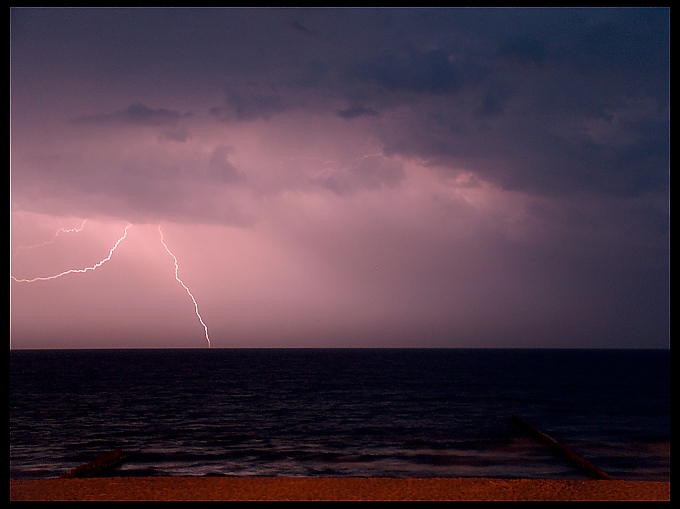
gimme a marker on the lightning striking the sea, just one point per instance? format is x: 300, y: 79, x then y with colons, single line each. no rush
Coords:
x: 106, y: 259
x: 78, y: 271
x: 198, y: 314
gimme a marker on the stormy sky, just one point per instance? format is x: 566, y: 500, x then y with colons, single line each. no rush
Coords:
x: 452, y: 177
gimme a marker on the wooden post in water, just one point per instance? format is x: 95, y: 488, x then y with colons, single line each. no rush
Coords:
x: 98, y: 466
x: 581, y: 463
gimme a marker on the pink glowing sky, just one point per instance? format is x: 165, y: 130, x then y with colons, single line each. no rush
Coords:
x: 340, y: 177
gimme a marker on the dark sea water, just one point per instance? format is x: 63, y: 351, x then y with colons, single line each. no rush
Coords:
x: 340, y: 412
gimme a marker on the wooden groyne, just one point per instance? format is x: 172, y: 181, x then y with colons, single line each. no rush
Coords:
x: 582, y: 464
x: 98, y: 466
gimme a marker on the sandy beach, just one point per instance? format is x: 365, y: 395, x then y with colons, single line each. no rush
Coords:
x: 333, y: 489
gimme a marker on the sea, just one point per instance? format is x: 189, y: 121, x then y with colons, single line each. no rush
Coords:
x: 341, y: 412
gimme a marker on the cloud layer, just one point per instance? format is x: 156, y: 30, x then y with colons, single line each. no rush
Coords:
x: 503, y: 173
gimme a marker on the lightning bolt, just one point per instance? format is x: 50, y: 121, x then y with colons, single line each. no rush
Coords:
x: 103, y: 261
x: 78, y: 271
x: 198, y: 314
x: 56, y: 234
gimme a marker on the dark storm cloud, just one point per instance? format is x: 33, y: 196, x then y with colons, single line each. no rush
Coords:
x: 299, y: 27
x: 492, y: 104
x: 369, y: 172
x: 245, y: 107
x: 221, y: 168
x: 632, y: 42
x: 574, y: 109
x: 136, y: 114
x: 548, y: 101
x: 524, y: 51
x: 419, y: 72
x: 353, y: 138
x: 180, y: 135
x: 542, y: 100
x: 355, y: 111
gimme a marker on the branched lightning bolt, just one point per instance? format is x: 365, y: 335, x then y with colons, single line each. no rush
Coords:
x: 103, y: 261
x: 56, y: 234
x: 73, y: 271
x: 205, y: 327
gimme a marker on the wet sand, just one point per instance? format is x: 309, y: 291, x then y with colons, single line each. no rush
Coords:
x: 333, y: 489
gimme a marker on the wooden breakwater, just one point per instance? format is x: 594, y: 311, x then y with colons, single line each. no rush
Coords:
x: 98, y: 466
x: 579, y: 462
